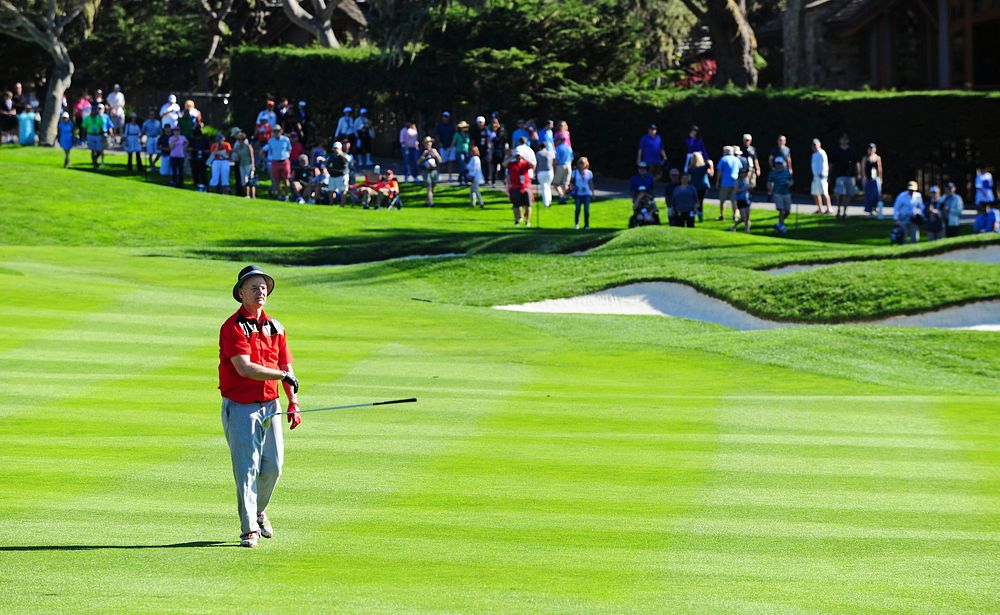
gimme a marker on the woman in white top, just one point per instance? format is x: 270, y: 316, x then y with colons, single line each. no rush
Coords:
x: 583, y: 185
x: 474, y: 172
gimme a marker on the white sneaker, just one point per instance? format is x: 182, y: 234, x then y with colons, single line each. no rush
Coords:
x: 249, y: 540
x: 301, y: 201
x: 527, y: 223
x: 265, y: 525
x: 576, y: 227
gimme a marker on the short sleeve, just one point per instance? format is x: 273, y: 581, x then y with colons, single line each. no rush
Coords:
x: 232, y: 341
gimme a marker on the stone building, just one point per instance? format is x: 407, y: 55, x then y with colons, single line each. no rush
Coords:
x: 906, y: 44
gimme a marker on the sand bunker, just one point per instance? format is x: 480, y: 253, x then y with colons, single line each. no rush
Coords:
x: 988, y: 254
x: 680, y: 301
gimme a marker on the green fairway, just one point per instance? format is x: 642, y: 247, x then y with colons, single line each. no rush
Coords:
x: 553, y: 463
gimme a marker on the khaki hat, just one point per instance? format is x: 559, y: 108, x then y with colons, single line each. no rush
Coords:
x: 463, y: 124
x: 912, y: 185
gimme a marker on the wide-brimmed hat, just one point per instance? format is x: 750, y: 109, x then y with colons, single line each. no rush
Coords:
x: 463, y: 124
x: 250, y: 271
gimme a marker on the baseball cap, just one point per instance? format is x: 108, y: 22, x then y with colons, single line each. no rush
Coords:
x: 348, y: 109
x: 779, y: 160
x: 949, y: 185
x: 933, y: 189
x: 170, y: 98
x: 302, y: 103
x: 445, y: 114
x: 480, y: 119
x: 64, y: 114
x: 338, y: 145
x: 643, y: 165
x: 912, y: 185
x: 652, y: 127
x: 362, y: 111
x: 248, y: 271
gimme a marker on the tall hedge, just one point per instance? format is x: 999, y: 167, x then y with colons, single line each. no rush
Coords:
x: 930, y: 136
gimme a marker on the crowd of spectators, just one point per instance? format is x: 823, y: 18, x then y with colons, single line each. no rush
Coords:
x: 533, y: 161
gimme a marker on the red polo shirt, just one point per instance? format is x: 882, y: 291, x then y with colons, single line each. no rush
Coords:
x: 264, y: 340
x: 517, y: 171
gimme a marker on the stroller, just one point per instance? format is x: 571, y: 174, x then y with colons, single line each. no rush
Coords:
x: 644, y: 211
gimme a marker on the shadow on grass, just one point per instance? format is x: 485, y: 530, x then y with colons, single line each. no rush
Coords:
x: 377, y: 245
x: 198, y: 544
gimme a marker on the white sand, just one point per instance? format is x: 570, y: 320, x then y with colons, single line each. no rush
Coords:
x: 681, y: 301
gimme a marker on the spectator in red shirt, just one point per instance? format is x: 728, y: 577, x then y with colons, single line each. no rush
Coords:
x: 519, y: 187
x: 253, y: 357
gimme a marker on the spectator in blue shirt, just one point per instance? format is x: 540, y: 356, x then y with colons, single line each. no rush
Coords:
x: 564, y: 169
x: 651, y: 152
x: 444, y: 132
x: 986, y: 220
x: 728, y: 170
x: 642, y: 180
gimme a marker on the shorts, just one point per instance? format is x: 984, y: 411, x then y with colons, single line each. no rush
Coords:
x: 820, y: 187
x: 726, y: 193
x: 562, y: 174
x: 430, y: 178
x: 338, y: 183
x: 783, y: 202
x: 152, y: 147
x: 742, y: 204
x: 280, y: 169
x: 520, y: 199
x: 117, y: 121
x: 845, y: 186
x: 245, y: 173
x: 95, y: 143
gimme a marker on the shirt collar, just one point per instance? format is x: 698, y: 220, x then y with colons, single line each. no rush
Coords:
x: 247, y: 315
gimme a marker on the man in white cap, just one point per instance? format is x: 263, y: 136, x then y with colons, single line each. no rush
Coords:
x: 253, y: 358
x: 345, y: 126
x: 116, y: 102
x: 170, y: 112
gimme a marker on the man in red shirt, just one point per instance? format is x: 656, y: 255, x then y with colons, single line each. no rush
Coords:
x: 253, y: 357
x: 519, y: 187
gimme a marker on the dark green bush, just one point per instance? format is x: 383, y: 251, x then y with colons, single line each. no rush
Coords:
x: 930, y: 136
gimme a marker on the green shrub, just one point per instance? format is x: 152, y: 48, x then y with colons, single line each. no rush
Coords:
x: 929, y: 136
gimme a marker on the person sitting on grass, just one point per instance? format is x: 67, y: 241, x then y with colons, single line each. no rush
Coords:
x: 429, y: 162
x: 302, y: 176
x: 320, y: 183
x: 986, y: 220
x: 381, y: 192
x: 644, y: 209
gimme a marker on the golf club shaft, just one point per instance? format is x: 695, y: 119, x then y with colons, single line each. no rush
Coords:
x: 344, y: 407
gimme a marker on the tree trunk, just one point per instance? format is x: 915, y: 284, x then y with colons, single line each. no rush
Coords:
x: 733, y: 43
x: 59, y: 82
x: 324, y: 34
x: 792, y: 42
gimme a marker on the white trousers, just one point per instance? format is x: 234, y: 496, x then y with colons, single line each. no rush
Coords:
x: 220, y: 173
x: 257, y: 452
x: 545, y: 182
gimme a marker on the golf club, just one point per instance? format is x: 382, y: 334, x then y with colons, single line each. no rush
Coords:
x: 344, y: 407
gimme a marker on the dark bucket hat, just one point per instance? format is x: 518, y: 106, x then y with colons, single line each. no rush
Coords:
x: 248, y: 271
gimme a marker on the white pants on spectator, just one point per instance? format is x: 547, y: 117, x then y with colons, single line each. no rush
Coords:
x: 220, y: 173
x: 545, y: 182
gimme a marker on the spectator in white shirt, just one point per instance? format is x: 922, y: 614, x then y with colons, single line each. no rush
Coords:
x: 984, y: 185
x: 821, y: 178
x: 170, y: 112
x: 345, y: 126
x: 908, y: 212
x: 116, y: 102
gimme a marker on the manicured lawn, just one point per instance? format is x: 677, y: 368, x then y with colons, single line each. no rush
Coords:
x: 554, y: 463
